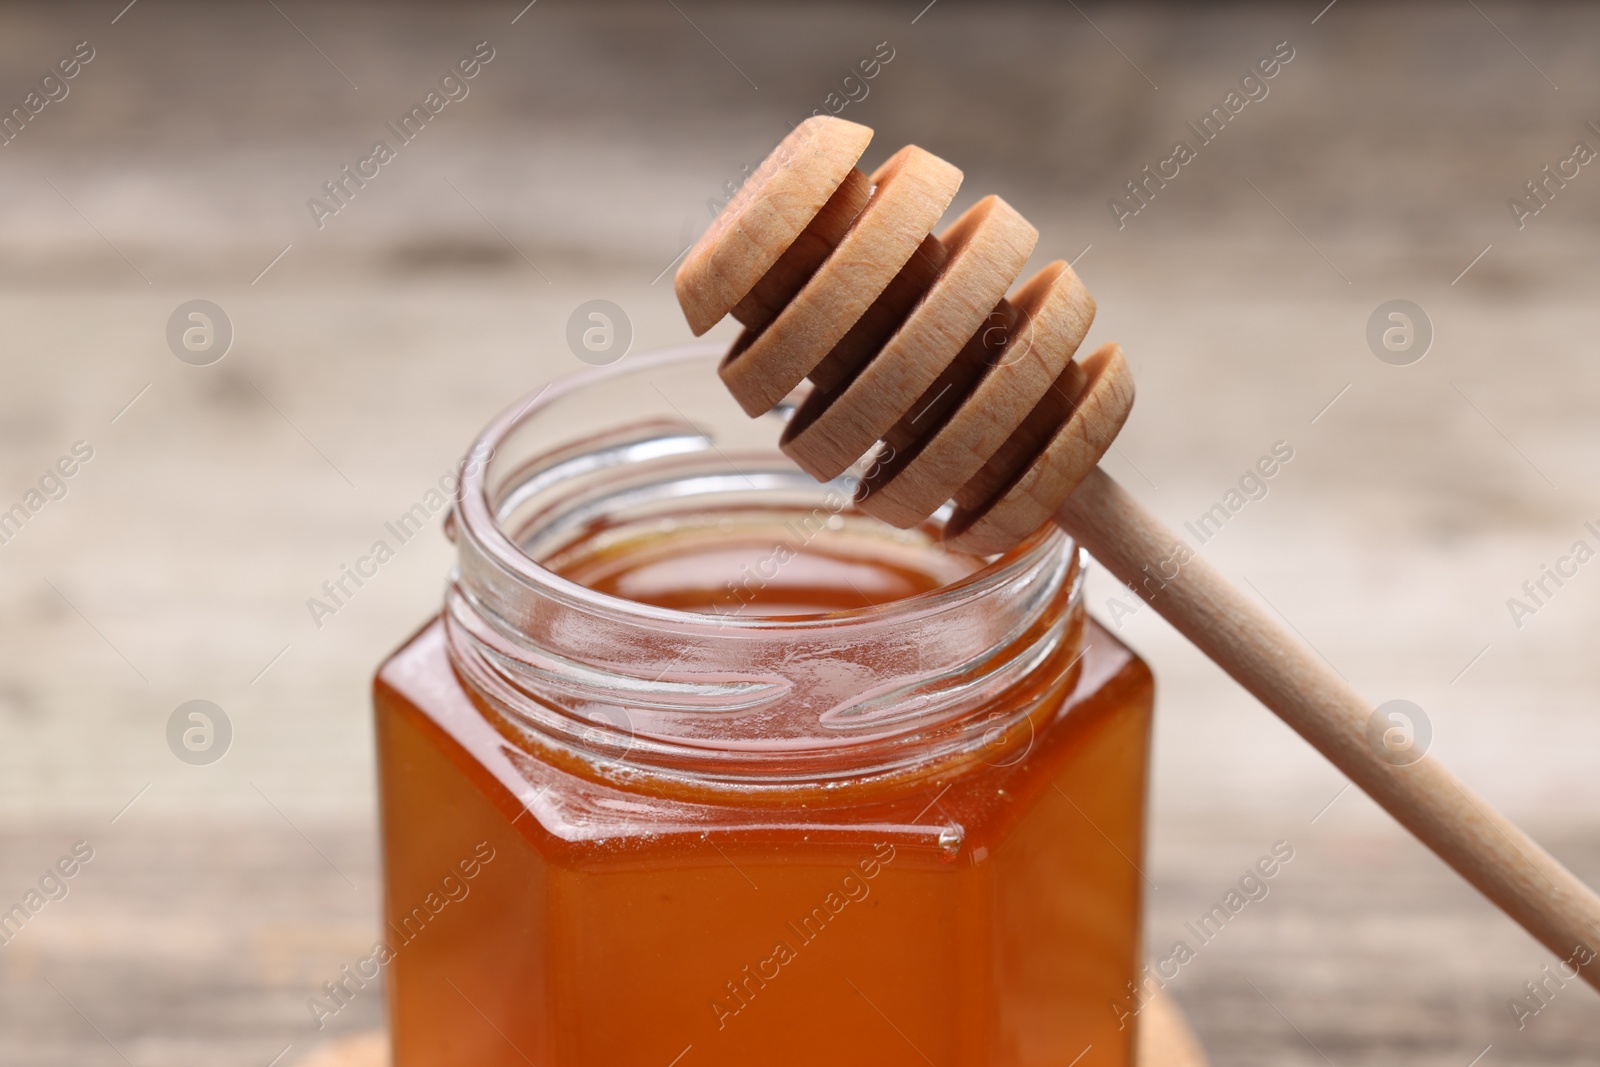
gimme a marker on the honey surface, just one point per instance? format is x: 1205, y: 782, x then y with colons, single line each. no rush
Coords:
x: 744, y: 572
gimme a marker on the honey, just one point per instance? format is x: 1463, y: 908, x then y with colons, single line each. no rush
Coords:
x: 745, y: 777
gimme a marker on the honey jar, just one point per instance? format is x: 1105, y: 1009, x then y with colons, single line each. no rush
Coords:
x: 699, y: 765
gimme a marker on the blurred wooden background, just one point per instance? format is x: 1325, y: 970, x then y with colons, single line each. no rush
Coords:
x: 367, y: 352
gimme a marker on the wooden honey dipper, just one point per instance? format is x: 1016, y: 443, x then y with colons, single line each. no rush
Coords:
x: 911, y: 340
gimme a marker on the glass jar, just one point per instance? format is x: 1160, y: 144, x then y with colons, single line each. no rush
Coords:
x: 700, y: 765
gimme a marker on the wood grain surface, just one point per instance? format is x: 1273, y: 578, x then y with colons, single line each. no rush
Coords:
x: 186, y: 945
x: 1165, y: 1040
x: 179, y: 563
x: 1462, y: 828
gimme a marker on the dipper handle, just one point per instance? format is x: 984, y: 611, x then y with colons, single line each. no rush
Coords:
x: 965, y: 392
x: 1483, y: 846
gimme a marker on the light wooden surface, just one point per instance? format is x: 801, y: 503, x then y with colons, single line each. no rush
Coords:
x: 193, y: 946
x: 1165, y: 1037
x: 1165, y: 1040
x: 591, y: 145
x: 1462, y: 828
x: 363, y: 1050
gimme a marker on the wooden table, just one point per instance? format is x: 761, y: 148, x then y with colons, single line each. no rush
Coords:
x: 1164, y: 1041
x: 179, y: 563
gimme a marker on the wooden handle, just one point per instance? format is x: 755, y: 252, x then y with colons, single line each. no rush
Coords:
x: 1482, y: 845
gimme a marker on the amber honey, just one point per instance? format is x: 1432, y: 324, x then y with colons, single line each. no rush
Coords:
x: 760, y: 787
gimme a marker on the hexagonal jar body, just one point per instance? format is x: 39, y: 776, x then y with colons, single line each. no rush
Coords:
x: 702, y: 766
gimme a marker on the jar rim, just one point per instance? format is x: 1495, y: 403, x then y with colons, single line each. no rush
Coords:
x: 474, y: 516
x: 759, y: 703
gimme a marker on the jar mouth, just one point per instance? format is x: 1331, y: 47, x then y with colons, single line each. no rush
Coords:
x: 479, y: 514
x: 630, y: 690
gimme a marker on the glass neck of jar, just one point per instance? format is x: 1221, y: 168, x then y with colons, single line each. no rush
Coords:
x: 766, y: 706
